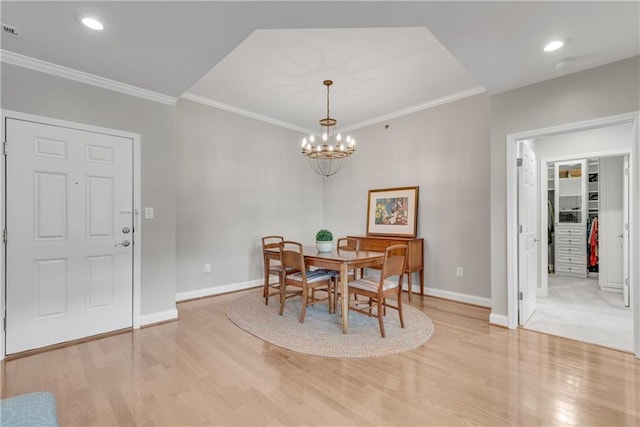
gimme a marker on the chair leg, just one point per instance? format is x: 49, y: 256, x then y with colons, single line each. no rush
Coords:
x: 335, y: 300
x: 380, y: 320
x: 331, y: 291
x: 400, y: 310
x: 266, y: 291
x: 283, y: 294
x: 265, y: 288
x: 305, y: 301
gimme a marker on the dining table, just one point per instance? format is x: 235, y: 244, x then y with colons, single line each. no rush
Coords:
x: 341, y: 260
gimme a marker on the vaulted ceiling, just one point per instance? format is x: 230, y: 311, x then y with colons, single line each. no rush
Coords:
x: 268, y: 59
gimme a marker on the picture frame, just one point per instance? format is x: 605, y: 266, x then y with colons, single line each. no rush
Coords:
x: 393, y: 212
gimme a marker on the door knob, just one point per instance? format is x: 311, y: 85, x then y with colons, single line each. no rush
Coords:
x: 126, y: 230
x: 124, y: 243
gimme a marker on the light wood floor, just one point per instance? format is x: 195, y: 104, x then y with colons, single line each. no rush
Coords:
x: 204, y: 370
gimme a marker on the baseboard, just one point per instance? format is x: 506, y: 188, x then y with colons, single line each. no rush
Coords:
x: 499, y: 320
x: 159, y: 317
x: 455, y: 296
x: 217, y: 290
x: 612, y: 287
x: 233, y: 287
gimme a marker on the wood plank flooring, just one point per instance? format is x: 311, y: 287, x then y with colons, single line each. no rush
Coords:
x: 204, y: 370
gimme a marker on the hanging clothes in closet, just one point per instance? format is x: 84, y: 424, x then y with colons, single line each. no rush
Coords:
x: 592, y: 244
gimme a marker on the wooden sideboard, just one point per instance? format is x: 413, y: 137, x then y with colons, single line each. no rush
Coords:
x: 415, y: 255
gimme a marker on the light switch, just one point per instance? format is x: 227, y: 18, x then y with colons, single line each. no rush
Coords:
x: 148, y: 213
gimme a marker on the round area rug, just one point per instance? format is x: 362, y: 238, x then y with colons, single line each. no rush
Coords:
x: 321, y: 333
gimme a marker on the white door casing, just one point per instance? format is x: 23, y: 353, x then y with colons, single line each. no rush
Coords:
x: 626, y: 287
x: 69, y: 197
x: 511, y: 319
x: 527, y: 233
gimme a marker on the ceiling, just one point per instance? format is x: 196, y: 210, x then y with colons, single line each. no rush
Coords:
x: 268, y: 59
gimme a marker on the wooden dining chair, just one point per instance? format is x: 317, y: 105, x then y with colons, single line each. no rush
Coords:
x: 378, y: 289
x: 298, y: 276
x: 272, y: 267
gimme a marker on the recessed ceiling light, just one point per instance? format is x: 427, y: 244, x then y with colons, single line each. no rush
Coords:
x: 92, y: 23
x: 554, y: 45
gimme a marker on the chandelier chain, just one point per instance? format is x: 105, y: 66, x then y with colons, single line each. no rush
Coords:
x: 328, y: 116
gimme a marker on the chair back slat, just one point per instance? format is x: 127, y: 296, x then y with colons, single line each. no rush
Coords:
x: 292, y: 257
x: 394, y: 261
x: 270, y: 242
x: 347, y: 243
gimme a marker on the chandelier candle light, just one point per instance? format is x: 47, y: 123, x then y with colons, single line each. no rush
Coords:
x: 328, y: 158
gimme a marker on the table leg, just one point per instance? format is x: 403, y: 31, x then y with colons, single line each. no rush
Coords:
x: 344, y: 289
x: 422, y: 282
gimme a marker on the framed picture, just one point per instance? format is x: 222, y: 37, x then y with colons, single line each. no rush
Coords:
x: 393, y: 212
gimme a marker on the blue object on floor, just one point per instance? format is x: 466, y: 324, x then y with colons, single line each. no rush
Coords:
x: 33, y: 409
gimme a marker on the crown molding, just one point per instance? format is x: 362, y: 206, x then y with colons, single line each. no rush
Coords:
x: 237, y: 110
x: 82, y: 77
x: 414, y: 109
x: 440, y: 101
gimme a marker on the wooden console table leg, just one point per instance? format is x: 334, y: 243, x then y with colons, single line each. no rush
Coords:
x: 409, y: 282
x: 422, y: 282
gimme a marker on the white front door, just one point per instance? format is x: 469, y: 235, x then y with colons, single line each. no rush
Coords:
x: 69, y: 221
x: 527, y: 250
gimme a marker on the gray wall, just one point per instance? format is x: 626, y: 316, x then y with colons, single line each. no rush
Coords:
x: 445, y: 151
x: 42, y: 94
x: 238, y: 179
x: 599, y: 92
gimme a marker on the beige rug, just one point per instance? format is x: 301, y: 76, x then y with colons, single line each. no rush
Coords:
x: 321, y: 333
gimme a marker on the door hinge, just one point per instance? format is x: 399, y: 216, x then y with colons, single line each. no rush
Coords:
x: 4, y: 235
x: 4, y: 322
x: 520, y: 228
x: 626, y: 281
x: 519, y: 161
x: 520, y: 296
x: 626, y: 226
x: 4, y: 148
x: 626, y: 171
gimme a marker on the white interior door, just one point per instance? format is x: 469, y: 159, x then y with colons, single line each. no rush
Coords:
x: 69, y: 227
x: 527, y: 235
x: 611, y: 224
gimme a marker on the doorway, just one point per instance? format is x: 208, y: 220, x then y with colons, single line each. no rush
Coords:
x: 71, y: 268
x: 512, y: 213
x: 581, y: 294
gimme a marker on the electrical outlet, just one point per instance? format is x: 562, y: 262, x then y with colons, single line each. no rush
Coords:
x: 207, y: 268
x: 459, y: 271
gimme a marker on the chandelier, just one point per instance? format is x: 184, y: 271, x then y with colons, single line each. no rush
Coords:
x: 328, y: 155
